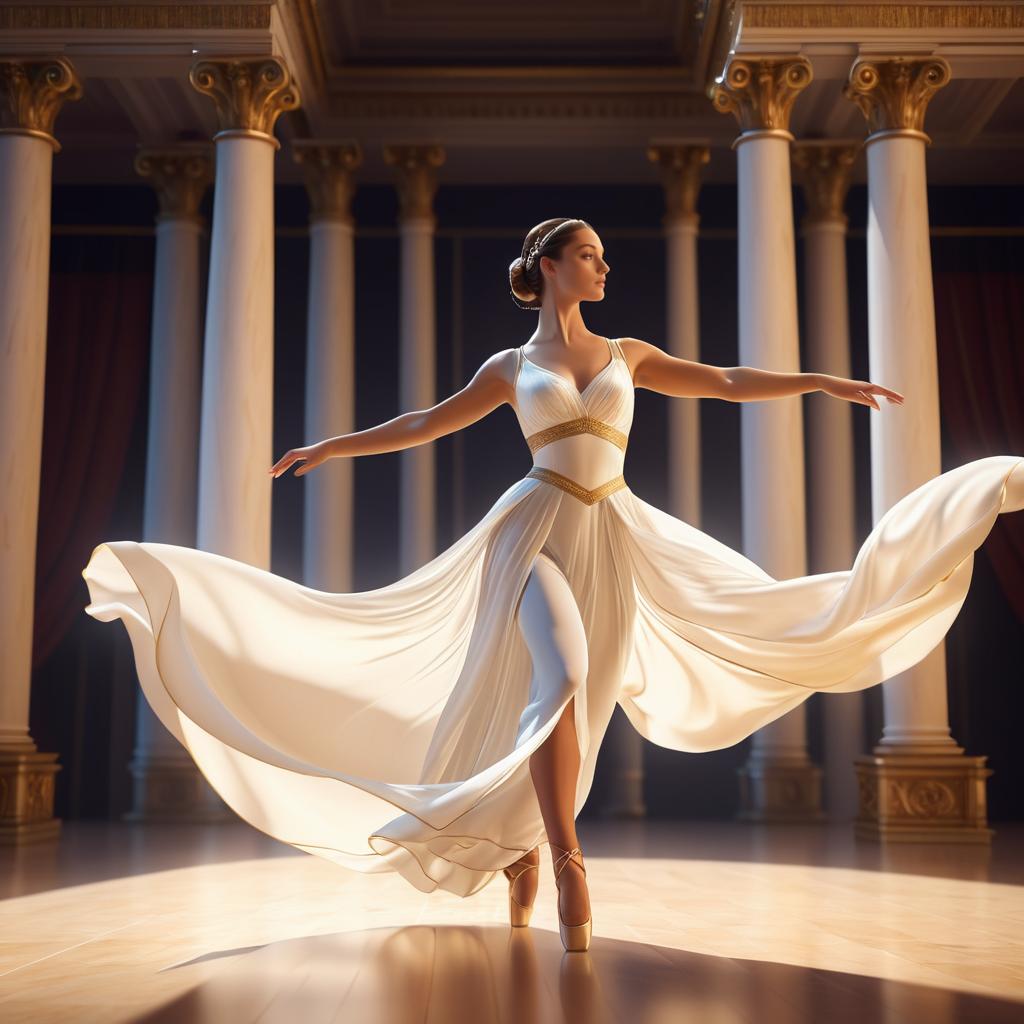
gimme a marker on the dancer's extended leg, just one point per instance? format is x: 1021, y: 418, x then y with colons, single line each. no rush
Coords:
x: 549, y: 619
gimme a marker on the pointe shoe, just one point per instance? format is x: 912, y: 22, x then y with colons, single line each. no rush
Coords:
x: 575, y: 937
x: 519, y: 913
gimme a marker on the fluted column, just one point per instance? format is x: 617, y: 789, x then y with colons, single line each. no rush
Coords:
x: 680, y: 164
x: 916, y: 784
x: 166, y: 784
x: 330, y: 358
x: 32, y: 93
x: 416, y: 181
x: 778, y: 782
x: 237, y: 399
x: 822, y: 168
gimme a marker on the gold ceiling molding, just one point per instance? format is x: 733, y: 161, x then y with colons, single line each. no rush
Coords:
x: 518, y: 107
x: 136, y: 16
x: 32, y: 93
x: 882, y: 15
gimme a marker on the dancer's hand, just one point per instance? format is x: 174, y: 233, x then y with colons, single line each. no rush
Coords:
x: 861, y: 391
x: 312, y: 455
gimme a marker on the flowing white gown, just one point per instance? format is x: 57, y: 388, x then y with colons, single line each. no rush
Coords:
x: 391, y: 729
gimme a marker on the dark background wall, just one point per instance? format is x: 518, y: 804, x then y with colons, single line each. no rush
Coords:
x: 84, y: 694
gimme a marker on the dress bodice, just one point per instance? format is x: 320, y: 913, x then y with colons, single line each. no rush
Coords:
x: 578, y: 435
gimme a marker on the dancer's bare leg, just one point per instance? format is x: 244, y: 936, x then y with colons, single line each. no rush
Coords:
x: 551, y: 625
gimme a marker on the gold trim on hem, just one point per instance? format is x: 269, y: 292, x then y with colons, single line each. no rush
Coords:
x: 580, y: 425
x: 588, y: 497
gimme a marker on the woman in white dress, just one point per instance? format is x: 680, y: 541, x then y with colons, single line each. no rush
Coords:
x: 445, y: 725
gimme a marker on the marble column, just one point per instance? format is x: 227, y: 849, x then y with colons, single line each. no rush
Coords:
x: 416, y: 181
x: 32, y: 94
x: 166, y: 784
x: 822, y: 167
x: 330, y: 358
x: 236, y: 416
x: 778, y: 782
x: 917, y: 784
x: 680, y: 164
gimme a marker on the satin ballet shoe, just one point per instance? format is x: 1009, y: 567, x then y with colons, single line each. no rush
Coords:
x: 519, y: 913
x: 575, y: 937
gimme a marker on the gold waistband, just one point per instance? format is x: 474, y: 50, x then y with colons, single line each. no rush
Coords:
x: 580, y: 425
x: 588, y: 497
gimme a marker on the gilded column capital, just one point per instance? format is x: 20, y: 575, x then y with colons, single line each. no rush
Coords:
x: 180, y: 175
x: 822, y: 168
x: 417, y: 183
x: 760, y: 90
x: 32, y: 93
x: 328, y: 170
x: 893, y: 92
x: 250, y: 93
x: 679, y: 164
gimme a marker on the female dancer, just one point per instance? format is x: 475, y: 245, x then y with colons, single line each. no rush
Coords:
x: 445, y: 725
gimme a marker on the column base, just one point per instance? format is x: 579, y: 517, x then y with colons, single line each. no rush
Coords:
x: 922, y: 798
x: 781, y: 790
x: 26, y: 797
x: 174, y: 791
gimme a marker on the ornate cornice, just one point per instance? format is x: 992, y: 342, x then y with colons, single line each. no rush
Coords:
x: 760, y: 90
x: 822, y: 168
x: 179, y: 174
x: 32, y: 93
x: 679, y: 164
x: 893, y: 92
x: 330, y: 182
x: 417, y: 183
x: 154, y: 16
x: 250, y: 93
x: 882, y: 15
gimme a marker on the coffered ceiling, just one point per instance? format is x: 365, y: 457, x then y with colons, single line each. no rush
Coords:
x: 531, y: 91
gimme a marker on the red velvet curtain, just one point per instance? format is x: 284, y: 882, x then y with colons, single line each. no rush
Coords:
x: 96, y: 360
x: 980, y: 330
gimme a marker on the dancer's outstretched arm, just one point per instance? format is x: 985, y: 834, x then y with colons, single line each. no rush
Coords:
x: 490, y: 387
x: 656, y: 370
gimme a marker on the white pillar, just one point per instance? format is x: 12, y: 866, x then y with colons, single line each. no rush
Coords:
x: 235, y: 448
x: 32, y: 93
x: 917, y: 759
x: 680, y: 165
x: 417, y: 184
x: 166, y: 784
x: 779, y: 782
x: 330, y: 359
x: 823, y: 169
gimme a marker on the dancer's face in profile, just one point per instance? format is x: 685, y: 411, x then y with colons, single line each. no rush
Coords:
x: 577, y: 275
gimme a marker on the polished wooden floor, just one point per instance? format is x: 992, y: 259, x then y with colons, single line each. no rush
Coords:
x: 698, y: 921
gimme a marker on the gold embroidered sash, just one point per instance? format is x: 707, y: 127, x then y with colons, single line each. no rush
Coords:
x: 588, y: 497
x: 580, y: 425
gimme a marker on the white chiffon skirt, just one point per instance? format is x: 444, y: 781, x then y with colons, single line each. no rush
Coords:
x: 391, y: 729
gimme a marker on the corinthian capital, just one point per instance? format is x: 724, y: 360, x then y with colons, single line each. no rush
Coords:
x: 250, y: 93
x: 330, y: 183
x: 823, y: 170
x: 32, y: 93
x: 179, y: 174
x: 760, y: 91
x: 893, y: 92
x: 679, y: 164
x: 417, y: 182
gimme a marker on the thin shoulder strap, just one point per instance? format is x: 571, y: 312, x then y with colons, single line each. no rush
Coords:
x: 519, y: 366
x: 616, y: 348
